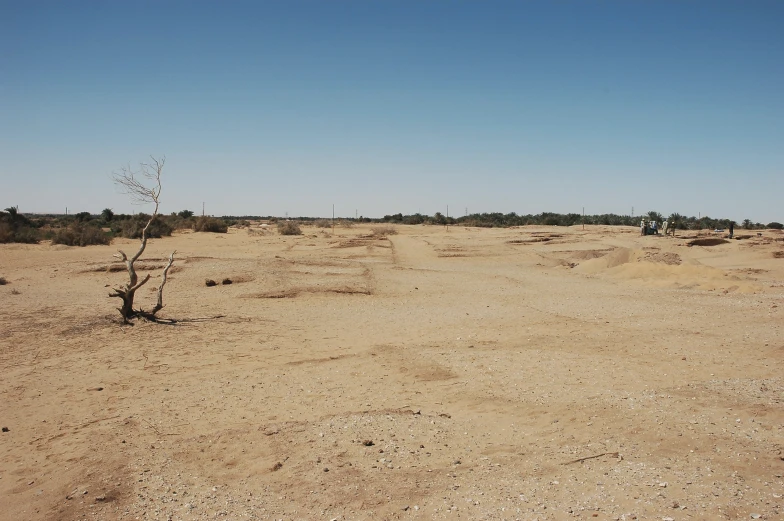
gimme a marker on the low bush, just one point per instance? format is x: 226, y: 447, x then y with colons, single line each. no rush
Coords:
x: 15, y: 227
x: 132, y: 228
x: 776, y: 226
x: 210, y: 224
x: 383, y: 231
x: 289, y: 228
x: 79, y: 234
x: 178, y: 222
x: 322, y: 223
x: 3, y: 282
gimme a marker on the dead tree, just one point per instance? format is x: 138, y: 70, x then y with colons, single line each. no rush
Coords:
x: 135, y: 185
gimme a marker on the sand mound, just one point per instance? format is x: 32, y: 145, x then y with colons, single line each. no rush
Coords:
x: 611, y: 260
x: 664, y: 269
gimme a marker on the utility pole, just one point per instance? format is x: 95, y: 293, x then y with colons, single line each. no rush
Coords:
x: 202, y: 208
x: 333, y: 219
x: 583, y: 217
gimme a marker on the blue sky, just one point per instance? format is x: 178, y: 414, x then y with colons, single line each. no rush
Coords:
x: 380, y: 107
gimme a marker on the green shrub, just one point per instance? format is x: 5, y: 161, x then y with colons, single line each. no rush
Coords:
x: 210, y: 224
x: 776, y: 226
x: 15, y: 227
x: 289, y: 228
x: 79, y: 234
x: 132, y: 228
x: 26, y: 235
x: 6, y: 233
x: 178, y: 222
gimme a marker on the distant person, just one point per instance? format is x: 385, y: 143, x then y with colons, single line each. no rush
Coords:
x: 654, y: 228
x: 642, y: 227
x: 732, y: 228
x: 665, y: 227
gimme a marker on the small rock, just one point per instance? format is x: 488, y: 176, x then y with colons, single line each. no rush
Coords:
x: 326, y: 469
x: 755, y: 516
x: 210, y: 283
x: 5, y: 429
x: 663, y: 484
x: 368, y: 443
x: 405, y: 508
x: 277, y: 466
x: 100, y: 498
x: 226, y: 281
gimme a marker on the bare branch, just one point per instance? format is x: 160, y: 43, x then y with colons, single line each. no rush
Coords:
x: 159, y: 305
x: 140, y: 284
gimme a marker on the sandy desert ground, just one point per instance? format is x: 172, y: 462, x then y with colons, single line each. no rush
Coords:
x: 526, y: 373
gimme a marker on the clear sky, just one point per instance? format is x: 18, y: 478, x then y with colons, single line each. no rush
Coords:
x: 380, y: 107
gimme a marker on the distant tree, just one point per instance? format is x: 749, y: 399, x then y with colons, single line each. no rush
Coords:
x: 140, y: 193
x: 107, y: 215
x: 185, y: 214
x: 747, y: 224
x: 776, y: 226
x: 83, y: 216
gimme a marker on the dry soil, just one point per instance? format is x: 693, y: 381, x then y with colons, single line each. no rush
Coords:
x: 526, y: 373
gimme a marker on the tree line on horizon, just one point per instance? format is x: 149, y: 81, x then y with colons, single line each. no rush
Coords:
x: 501, y: 220
x: 84, y: 228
